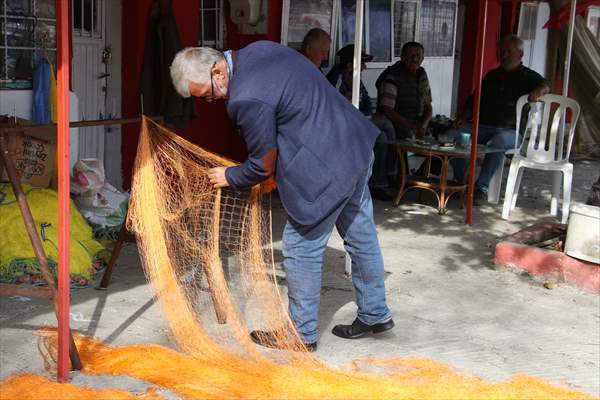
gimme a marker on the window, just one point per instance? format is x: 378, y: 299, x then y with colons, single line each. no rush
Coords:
x: 437, y: 27
x: 593, y: 21
x: 528, y: 21
x: 377, y: 27
x: 211, y: 23
x: 405, y: 24
x: 300, y: 16
x: 348, y: 23
x: 27, y: 32
x: 87, y: 18
x: 379, y: 30
x: 391, y: 23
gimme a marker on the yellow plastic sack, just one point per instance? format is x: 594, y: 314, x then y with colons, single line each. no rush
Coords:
x: 17, y: 259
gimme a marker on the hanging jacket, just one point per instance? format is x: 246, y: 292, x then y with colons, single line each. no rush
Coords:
x: 40, y: 112
x: 162, y: 44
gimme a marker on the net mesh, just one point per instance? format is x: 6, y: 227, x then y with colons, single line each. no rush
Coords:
x: 207, y: 377
x: 207, y: 252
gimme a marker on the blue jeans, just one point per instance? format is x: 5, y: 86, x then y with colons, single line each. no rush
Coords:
x: 491, y: 136
x: 385, y: 165
x: 303, y: 249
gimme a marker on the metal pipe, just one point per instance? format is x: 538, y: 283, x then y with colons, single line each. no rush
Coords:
x: 357, y: 53
x: 62, y: 155
x: 569, y: 47
x: 479, y: 54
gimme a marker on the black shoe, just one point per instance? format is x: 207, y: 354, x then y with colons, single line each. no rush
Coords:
x: 394, y: 182
x: 269, y: 339
x: 359, y: 329
x: 479, y: 198
x: 381, y: 194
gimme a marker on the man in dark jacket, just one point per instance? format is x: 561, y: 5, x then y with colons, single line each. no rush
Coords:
x: 298, y: 127
x: 340, y: 76
x: 500, y: 90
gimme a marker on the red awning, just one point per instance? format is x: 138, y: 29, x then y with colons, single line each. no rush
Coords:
x: 558, y: 19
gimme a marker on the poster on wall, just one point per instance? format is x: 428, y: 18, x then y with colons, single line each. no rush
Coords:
x: 300, y: 16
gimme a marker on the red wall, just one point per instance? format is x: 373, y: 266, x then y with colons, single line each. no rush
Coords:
x: 212, y: 128
x: 492, y: 35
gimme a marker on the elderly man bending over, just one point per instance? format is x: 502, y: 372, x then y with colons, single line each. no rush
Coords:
x: 298, y: 127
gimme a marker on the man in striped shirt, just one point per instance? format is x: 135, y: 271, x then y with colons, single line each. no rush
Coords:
x: 403, y: 111
x: 404, y: 95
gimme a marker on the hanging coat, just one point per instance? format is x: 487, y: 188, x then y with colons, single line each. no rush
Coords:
x: 162, y: 44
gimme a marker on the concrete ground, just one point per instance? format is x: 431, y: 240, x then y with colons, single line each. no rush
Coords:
x: 450, y: 303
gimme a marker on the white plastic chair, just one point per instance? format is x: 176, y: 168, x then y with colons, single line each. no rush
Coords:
x: 548, y: 149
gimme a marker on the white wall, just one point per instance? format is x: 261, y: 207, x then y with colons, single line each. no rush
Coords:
x: 112, y: 146
x: 19, y: 104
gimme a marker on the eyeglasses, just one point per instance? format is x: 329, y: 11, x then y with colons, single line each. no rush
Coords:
x: 211, y: 96
x: 212, y: 86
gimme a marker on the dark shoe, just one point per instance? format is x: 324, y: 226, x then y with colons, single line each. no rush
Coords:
x: 359, y: 329
x: 479, y: 198
x: 381, y: 194
x: 269, y: 339
x: 394, y: 182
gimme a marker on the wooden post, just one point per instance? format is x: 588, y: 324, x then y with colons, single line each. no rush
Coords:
x: 35, y: 242
x: 114, y: 255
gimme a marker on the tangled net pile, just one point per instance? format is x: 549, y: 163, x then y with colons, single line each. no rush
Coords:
x: 206, y: 252
x: 208, y: 255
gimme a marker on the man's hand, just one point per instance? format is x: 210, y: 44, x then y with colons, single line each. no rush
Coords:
x: 458, y: 122
x: 537, y: 93
x: 217, y: 177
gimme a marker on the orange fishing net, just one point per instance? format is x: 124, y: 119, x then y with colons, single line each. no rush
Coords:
x: 28, y: 386
x: 207, y: 253
x: 208, y: 256
x: 205, y: 377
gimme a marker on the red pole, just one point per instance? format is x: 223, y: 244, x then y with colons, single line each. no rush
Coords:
x: 477, y: 78
x: 62, y: 155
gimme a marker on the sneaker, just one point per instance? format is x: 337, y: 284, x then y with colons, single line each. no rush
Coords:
x: 479, y: 197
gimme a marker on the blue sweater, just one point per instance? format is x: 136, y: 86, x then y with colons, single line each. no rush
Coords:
x: 299, y: 127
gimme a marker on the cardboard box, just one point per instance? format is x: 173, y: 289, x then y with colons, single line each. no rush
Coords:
x: 34, y: 159
x: 33, y: 153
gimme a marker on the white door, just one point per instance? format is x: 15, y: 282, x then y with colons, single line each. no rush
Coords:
x: 96, y: 79
x: 89, y: 72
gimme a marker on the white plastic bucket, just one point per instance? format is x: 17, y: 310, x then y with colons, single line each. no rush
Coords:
x: 583, y: 233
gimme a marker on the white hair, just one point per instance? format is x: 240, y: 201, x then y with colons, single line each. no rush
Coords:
x: 193, y: 64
